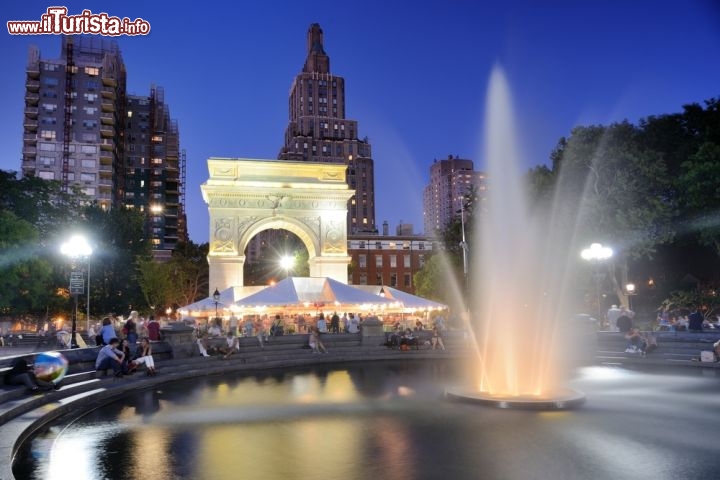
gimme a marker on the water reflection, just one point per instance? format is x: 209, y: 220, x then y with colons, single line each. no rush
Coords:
x: 384, y: 421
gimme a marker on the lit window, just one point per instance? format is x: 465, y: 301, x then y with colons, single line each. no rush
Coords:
x: 92, y: 70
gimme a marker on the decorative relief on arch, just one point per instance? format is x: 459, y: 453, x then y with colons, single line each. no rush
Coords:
x: 314, y: 223
x: 334, y: 237
x: 244, y: 223
x: 223, y: 239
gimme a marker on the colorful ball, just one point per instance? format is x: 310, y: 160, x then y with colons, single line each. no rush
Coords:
x: 50, y: 367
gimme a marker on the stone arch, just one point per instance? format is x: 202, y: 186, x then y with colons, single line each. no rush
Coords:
x: 245, y: 197
x: 300, y: 229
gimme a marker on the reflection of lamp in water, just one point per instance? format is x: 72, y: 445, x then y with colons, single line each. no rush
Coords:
x: 596, y: 253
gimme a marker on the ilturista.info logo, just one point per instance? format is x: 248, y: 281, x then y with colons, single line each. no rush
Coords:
x: 56, y: 21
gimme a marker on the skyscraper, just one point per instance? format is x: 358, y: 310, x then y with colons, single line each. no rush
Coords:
x: 450, y: 181
x: 319, y: 132
x: 81, y: 128
x: 153, y: 165
x: 73, y: 118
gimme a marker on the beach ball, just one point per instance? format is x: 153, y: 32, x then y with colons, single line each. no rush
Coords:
x: 50, y: 366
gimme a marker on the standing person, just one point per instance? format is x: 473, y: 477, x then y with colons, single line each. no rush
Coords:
x: 437, y: 338
x: 335, y: 323
x: 321, y: 323
x: 153, y: 329
x: 107, y: 332
x: 278, y: 328
x: 345, y: 322
x: 110, y: 357
x: 92, y: 336
x: 354, y: 324
x: 260, y: 331
x: 145, y: 356
x: 612, y: 316
x: 130, y: 331
x: 233, y: 324
x: 695, y: 321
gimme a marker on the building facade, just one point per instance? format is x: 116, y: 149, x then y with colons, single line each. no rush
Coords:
x: 318, y: 131
x: 450, y: 181
x: 81, y: 128
x: 72, y: 130
x: 387, y: 260
x: 153, y: 168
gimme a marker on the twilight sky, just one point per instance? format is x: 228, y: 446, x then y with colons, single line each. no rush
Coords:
x: 416, y: 74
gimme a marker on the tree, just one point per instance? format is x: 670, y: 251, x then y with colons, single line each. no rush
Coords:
x: 119, y: 243
x: 25, y: 277
x: 609, y: 187
x: 178, y: 282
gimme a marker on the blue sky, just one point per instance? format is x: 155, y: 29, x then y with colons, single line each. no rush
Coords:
x: 416, y: 74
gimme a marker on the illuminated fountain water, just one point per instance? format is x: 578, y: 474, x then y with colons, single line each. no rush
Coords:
x: 520, y: 271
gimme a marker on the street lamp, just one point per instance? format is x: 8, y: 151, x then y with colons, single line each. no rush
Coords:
x: 464, y: 246
x: 630, y: 291
x: 287, y: 262
x: 75, y: 248
x: 596, y: 253
x: 216, y: 299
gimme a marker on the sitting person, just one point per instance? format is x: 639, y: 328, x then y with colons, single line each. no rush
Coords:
x: 636, y: 342
x: 437, y: 338
x: 393, y: 338
x: 145, y: 356
x: 110, y: 356
x: 408, y: 339
x: 214, y: 329
x: 233, y: 345
x: 204, y: 346
x: 23, y: 374
x: 314, y: 341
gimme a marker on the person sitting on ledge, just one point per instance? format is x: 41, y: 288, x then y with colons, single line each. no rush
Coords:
x: 408, y: 339
x: 110, y: 357
x: 314, y: 341
x: 204, y: 345
x: 145, y: 356
x: 233, y: 345
x: 636, y: 342
x: 22, y: 374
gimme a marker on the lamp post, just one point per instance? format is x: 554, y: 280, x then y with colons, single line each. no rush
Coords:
x: 596, y: 253
x: 216, y: 298
x: 75, y: 248
x: 464, y: 246
x: 630, y: 291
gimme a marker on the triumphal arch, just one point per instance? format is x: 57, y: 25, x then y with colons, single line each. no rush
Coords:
x: 247, y: 196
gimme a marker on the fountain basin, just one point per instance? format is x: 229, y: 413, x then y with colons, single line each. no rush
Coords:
x: 562, y: 400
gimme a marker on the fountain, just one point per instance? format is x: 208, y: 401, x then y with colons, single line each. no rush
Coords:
x: 522, y: 269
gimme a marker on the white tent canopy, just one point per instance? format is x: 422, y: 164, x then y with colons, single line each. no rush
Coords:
x: 307, y: 292
x: 206, y: 306
x: 409, y: 301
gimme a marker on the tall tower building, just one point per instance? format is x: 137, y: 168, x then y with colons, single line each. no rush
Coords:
x: 153, y: 169
x: 319, y: 132
x: 450, y: 181
x: 81, y: 128
x: 72, y: 130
